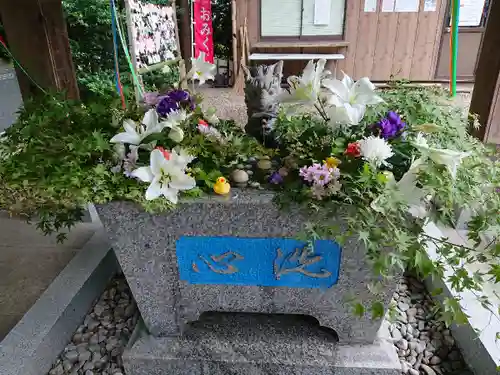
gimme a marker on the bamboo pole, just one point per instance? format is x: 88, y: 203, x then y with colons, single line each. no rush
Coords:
x: 454, y: 45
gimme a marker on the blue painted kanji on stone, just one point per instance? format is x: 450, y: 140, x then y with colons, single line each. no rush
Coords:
x: 258, y: 261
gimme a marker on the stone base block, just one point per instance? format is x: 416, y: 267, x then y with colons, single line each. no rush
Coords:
x: 254, y: 344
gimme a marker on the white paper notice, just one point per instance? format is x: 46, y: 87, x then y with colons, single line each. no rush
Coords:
x: 406, y: 5
x: 430, y: 5
x: 370, y: 5
x: 388, y: 5
x: 322, y: 9
x: 471, y: 12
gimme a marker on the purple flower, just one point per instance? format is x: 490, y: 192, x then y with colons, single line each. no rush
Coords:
x: 151, y: 98
x: 390, y: 126
x: 183, y: 99
x: 166, y: 105
x: 319, y: 174
x: 276, y: 178
x: 387, y: 128
x: 179, y: 95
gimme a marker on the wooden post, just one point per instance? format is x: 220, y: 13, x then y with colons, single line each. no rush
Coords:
x: 185, y: 32
x: 37, y: 36
x: 486, y: 95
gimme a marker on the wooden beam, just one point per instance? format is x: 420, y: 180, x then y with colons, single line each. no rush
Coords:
x: 185, y: 31
x: 485, y: 100
x: 38, y: 38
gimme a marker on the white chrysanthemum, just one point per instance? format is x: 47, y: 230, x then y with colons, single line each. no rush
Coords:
x: 375, y: 150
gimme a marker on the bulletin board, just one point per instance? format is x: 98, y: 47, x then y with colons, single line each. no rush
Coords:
x: 152, y: 32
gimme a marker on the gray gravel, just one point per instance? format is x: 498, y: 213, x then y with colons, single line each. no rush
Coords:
x: 98, y: 343
x: 424, y: 345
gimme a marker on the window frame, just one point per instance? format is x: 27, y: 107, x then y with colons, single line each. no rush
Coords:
x: 300, y: 38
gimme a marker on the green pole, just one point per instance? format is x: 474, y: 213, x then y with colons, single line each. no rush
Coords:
x: 454, y: 47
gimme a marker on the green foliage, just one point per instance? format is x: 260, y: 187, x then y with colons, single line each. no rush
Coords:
x: 222, y: 24
x: 391, y: 226
x: 89, y: 31
x: 57, y: 157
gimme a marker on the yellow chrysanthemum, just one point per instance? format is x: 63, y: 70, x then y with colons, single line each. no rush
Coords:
x: 332, y: 162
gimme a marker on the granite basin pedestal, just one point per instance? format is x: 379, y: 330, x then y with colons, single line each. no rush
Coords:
x: 249, y: 344
x: 276, y: 304
x: 238, y: 254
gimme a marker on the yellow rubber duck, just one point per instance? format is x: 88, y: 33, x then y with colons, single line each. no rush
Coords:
x: 221, y: 186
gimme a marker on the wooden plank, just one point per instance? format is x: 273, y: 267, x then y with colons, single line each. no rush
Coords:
x: 253, y: 14
x: 300, y: 44
x: 422, y: 63
x: 440, y: 27
x: 38, y: 38
x: 352, y: 15
x: 296, y: 56
x: 404, y: 44
x: 365, y: 43
x: 492, y: 132
x: 384, y: 47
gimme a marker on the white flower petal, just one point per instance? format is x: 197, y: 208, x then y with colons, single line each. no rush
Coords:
x: 355, y: 113
x: 337, y: 88
x: 182, y: 181
x: 143, y: 173
x: 133, y: 139
x: 150, y: 119
x: 176, y: 134
x: 347, y: 81
x: 157, y: 161
x: 170, y: 193
x: 154, y: 190
x: 130, y: 126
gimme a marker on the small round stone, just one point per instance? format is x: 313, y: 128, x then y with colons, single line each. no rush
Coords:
x: 427, y: 370
x: 435, y: 360
x: 239, y: 176
x: 402, y: 344
x: 72, y: 356
x: 264, y: 164
x: 240, y: 166
x: 396, y: 334
x: 254, y: 184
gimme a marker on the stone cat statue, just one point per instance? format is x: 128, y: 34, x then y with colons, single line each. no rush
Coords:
x: 263, y: 85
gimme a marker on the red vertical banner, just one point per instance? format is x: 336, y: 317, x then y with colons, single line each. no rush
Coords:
x: 203, y: 29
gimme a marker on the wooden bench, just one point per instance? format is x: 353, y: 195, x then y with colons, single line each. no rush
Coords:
x: 298, y: 56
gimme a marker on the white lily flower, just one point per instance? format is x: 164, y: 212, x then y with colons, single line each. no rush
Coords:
x: 173, y: 122
x: 181, y: 158
x: 407, y: 189
x: 306, y: 88
x: 375, y: 150
x: 165, y: 178
x: 201, y: 69
x: 352, y: 96
x: 350, y: 114
x: 449, y: 158
x: 135, y: 133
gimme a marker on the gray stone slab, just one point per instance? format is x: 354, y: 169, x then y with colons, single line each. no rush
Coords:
x: 34, y: 343
x: 145, y: 247
x: 256, y: 344
x: 10, y: 95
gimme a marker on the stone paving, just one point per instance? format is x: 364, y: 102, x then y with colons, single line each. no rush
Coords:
x: 29, y: 261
